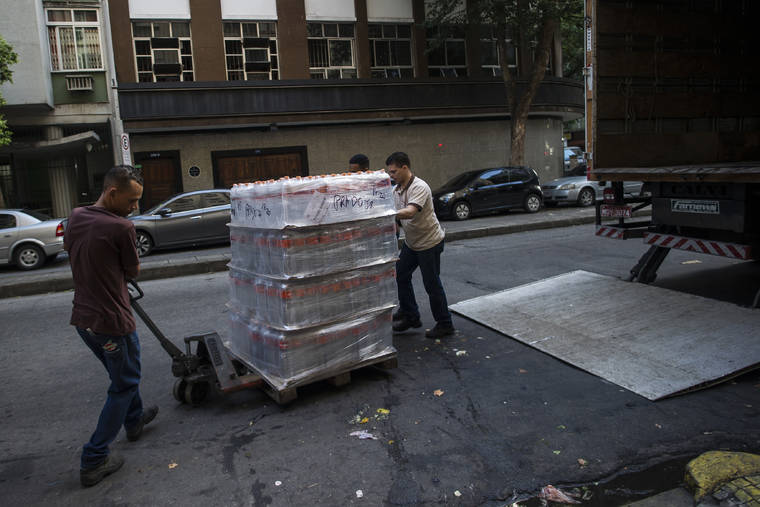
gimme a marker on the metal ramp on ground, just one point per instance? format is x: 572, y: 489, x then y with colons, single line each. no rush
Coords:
x: 655, y: 342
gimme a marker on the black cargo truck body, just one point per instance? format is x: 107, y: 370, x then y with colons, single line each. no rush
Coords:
x: 673, y: 99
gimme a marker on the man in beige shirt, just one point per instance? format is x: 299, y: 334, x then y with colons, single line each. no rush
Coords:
x: 423, y: 245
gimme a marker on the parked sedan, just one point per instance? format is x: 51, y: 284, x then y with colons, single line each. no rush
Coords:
x: 483, y: 190
x: 28, y: 238
x: 581, y: 191
x: 189, y: 219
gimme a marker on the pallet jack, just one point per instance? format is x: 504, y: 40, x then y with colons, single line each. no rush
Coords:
x: 208, y: 366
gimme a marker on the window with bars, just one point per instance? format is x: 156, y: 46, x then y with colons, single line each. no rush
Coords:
x: 489, y: 53
x: 163, y: 51
x: 250, y: 50
x: 447, y: 51
x: 74, y: 38
x: 331, y: 50
x: 390, y: 49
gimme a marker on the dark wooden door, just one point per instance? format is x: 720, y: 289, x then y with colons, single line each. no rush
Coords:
x: 161, y: 180
x: 252, y: 166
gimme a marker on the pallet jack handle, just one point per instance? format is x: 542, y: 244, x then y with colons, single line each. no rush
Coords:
x: 135, y: 293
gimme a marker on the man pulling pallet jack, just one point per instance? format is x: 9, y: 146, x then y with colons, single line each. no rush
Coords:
x: 102, y: 253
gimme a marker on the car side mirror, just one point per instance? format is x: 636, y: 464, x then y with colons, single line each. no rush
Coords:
x: 165, y: 212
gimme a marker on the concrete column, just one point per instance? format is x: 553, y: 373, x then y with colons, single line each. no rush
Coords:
x: 208, y: 41
x: 60, y: 177
x: 62, y: 188
x: 419, y: 39
x: 292, y: 45
x: 53, y: 132
x: 363, y: 65
x: 121, y: 34
x: 557, y: 51
x: 472, y: 40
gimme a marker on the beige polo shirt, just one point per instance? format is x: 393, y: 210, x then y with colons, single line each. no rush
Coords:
x: 422, y: 231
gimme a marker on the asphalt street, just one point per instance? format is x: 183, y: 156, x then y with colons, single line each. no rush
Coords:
x: 56, y: 275
x: 510, y: 419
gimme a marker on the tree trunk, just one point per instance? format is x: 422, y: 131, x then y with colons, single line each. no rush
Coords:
x: 519, y: 107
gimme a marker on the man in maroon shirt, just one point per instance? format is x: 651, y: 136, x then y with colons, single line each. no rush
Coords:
x: 102, y: 254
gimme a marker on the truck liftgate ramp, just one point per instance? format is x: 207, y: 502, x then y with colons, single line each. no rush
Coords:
x: 671, y: 344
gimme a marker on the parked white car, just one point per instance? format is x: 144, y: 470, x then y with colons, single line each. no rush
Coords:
x: 581, y: 191
x: 28, y: 238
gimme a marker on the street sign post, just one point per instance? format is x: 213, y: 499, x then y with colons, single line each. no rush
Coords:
x: 126, y: 156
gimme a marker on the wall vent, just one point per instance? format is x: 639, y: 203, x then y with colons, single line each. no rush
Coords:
x: 78, y: 83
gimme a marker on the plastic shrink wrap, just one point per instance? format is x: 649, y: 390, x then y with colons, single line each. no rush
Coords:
x: 312, y: 275
x: 311, y: 200
x: 311, y: 251
x: 287, y: 358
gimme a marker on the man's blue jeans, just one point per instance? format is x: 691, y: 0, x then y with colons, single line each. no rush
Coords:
x: 121, y: 357
x: 429, y: 262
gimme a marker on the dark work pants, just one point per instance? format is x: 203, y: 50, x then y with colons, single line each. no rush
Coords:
x: 429, y: 262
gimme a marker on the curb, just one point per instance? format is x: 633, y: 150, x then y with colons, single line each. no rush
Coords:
x: 511, y: 229
x: 150, y: 271
x: 218, y: 262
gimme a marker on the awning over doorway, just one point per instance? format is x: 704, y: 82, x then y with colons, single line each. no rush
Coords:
x: 66, y: 144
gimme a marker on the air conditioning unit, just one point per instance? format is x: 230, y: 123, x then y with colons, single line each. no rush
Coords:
x: 79, y: 83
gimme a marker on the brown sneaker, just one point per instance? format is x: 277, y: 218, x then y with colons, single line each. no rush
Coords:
x: 91, y: 476
x: 133, y: 434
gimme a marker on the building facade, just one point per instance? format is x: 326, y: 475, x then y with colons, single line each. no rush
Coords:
x: 222, y: 91
x: 214, y: 92
x: 58, y: 105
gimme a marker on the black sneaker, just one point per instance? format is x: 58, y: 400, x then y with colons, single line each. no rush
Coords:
x: 398, y: 316
x: 133, y: 434
x: 91, y: 476
x: 405, y: 323
x: 440, y: 330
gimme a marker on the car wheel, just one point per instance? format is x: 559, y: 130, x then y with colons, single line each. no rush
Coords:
x: 532, y: 203
x: 28, y: 257
x: 586, y: 197
x: 144, y: 243
x: 462, y: 210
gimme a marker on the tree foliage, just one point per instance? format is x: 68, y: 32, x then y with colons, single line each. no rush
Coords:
x: 527, y: 27
x: 573, y: 49
x: 7, y: 58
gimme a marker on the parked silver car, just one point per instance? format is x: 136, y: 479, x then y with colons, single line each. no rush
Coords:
x: 28, y: 238
x: 581, y: 191
x: 188, y: 219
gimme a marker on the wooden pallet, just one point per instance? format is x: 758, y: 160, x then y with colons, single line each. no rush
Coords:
x: 334, y: 376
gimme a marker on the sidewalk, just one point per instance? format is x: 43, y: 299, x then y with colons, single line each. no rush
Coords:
x: 18, y: 283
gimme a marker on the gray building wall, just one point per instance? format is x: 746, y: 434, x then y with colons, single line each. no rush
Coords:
x: 463, y: 146
x: 22, y: 24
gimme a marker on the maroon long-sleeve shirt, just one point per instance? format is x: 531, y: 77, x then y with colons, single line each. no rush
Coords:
x: 102, y: 255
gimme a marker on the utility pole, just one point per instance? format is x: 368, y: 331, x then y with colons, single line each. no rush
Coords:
x: 120, y: 155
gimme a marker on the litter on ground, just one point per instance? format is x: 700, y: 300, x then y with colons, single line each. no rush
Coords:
x: 363, y: 435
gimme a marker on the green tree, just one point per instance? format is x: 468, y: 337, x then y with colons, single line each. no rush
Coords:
x: 527, y: 27
x: 7, y: 58
x: 573, y: 48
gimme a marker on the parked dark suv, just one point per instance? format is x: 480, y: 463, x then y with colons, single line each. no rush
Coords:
x: 484, y: 190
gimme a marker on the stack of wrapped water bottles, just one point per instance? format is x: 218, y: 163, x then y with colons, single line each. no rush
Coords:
x: 312, y: 276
